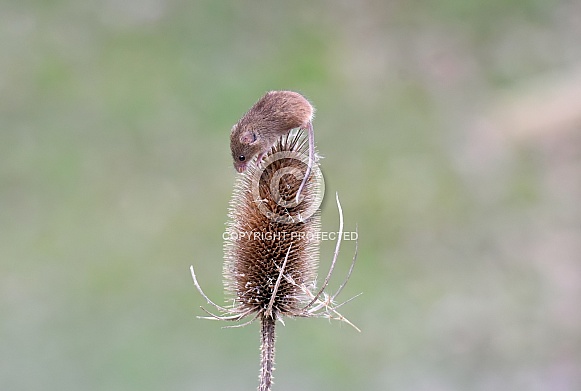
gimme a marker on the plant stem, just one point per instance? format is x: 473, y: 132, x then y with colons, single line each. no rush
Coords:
x: 266, y: 352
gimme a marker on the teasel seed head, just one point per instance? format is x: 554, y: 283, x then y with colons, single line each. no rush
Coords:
x: 272, y: 242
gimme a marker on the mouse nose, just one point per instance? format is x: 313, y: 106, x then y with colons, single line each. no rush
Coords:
x: 240, y: 167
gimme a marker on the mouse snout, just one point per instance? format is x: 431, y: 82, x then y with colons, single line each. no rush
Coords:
x: 240, y: 167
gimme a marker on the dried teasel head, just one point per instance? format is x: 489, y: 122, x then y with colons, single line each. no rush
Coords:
x: 271, y: 246
x: 272, y: 241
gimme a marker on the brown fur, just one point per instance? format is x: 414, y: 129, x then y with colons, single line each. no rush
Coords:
x: 274, y: 115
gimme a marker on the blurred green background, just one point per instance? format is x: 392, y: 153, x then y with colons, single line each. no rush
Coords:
x: 450, y: 129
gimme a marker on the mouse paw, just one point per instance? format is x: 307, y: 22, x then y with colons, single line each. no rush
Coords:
x: 259, y: 160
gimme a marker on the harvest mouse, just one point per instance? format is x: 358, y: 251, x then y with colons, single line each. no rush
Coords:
x: 274, y: 115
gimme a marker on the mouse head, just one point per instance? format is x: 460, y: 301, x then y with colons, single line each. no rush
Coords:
x: 244, y: 144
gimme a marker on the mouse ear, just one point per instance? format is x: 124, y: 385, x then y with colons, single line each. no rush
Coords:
x: 248, y: 137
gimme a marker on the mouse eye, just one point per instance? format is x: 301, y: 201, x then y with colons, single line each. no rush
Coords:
x: 241, y: 158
